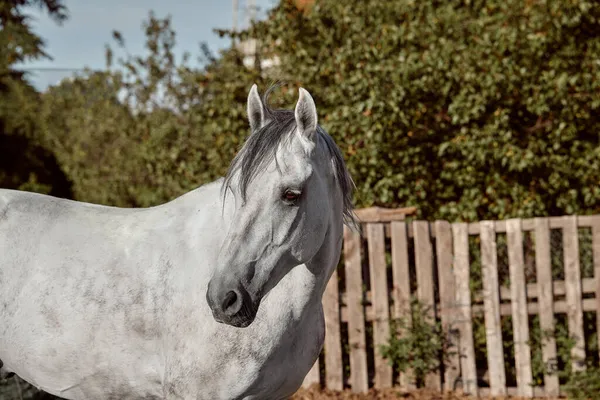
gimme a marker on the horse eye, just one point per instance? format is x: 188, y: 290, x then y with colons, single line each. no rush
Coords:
x: 291, y: 195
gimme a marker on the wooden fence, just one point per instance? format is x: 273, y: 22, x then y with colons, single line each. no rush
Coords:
x: 374, y: 285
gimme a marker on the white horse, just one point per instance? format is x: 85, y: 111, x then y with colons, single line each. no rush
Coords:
x: 214, y: 295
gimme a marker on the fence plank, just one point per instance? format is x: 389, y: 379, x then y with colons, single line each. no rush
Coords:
x: 573, y: 291
x: 379, y: 288
x: 546, y: 304
x: 401, y: 286
x: 528, y: 224
x: 463, y: 301
x: 334, y: 368
x: 491, y: 303
x: 560, y: 307
x: 443, y: 248
x: 520, y: 321
x: 312, y: 378
x: 425, y: 288
x: 596, y: 258
x: 380, y: 214
x: 359, y: 379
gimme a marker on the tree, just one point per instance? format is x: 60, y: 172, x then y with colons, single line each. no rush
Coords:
x: 25, y: 163
x: 18, y: 43
x: 153, y: 132
x: 467, y: 110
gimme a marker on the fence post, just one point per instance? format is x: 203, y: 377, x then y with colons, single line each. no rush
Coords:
x: 333, y: 340
x: 425, y: 291
x: 543, y: 266
x: 359, y: 379
x: 596, y: 257
x: 379, y: 292
x: 491, y: 304
x: 443, y: 248
x: 401, y: 284
x: 573, y: 291
x: 518, y: 303
x: 460, y: 236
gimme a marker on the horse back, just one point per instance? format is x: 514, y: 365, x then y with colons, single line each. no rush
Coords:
x: 77, y: 290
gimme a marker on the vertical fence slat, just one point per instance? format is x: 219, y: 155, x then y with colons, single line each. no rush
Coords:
x: 379, y: 291
x: 463, y: 300
x: 312, y: 378
x: 443, y: 247
x: 425, y: 287
x: 401, y: 285
x: 334, y: 377
x: 573, y: 291
x: 596, y: 257
x: 520, y: 322
x: 359, y: 379
x: 491, y: 303
x: 543, y: 266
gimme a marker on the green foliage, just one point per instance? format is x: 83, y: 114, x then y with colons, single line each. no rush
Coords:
x: 577, y: 385
x: 467, y: 110
x: 584, y: 385
x: 18, y: 42
x: 24, y: 162
x: 416, y: 343
x: 485, y: 109
x: 153, y: 132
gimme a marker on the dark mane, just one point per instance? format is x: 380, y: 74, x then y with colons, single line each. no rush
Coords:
x: 260, y: 148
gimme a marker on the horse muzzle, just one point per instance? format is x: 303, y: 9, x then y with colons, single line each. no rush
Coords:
x: 231, y: 304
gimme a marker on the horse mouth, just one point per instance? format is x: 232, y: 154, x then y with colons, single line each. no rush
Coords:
x: 237, y: 321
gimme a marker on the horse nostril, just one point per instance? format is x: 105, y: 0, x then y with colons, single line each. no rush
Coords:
x: 230, y: 299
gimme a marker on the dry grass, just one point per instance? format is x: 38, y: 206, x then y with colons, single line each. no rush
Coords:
x: 316, y: 393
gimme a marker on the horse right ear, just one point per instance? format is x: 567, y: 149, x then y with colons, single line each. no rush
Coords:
x: 256, y: 111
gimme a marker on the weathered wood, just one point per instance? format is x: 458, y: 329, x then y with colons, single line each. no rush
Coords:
x: 401, y: 286
x: 443, y: 248
x: 560, y: 307
x: 544, y: 290
x: 491, y: 304
x: 379, y: 214
x: 359, y: 380
x: 425, y: 288
x: 463, y: 303
x: 529, y: 224
x: 546, y: 305
x: 519, y: 307
x: 573, y: 291
x: 596, y: 256
x: 526, y: 225
x: 334, y: 367
x: 381, y: 323
x: 558, y: 288
x: 312, y: 378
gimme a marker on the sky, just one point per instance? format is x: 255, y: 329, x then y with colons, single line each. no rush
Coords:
x: 80, y: 41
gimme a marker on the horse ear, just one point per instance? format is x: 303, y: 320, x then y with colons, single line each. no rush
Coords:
x: 256, y: 112
x: 306, y: 114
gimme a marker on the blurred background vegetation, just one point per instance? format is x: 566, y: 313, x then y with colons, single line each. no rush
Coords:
x: 466, y: 109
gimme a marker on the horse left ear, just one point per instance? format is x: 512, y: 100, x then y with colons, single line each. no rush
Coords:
x: 255, y: 109
x: 306, y: 115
